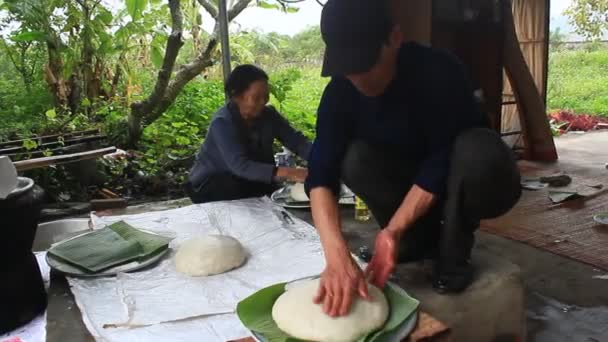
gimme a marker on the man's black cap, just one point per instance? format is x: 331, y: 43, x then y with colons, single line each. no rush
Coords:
x: 354, y: 32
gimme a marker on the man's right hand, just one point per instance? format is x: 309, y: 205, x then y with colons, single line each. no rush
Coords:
x: 340, y: 283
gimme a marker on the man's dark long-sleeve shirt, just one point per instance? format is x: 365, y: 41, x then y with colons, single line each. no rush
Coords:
x: 427, y: 105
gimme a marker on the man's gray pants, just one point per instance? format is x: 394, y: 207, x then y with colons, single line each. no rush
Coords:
x: 483, y: 183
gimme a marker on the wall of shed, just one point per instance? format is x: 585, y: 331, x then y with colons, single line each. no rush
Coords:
x: 531, y: 25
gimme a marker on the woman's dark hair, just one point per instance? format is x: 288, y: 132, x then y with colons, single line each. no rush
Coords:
x: 242, y: 77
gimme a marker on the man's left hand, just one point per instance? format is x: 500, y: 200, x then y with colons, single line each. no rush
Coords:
x: 385, y: 255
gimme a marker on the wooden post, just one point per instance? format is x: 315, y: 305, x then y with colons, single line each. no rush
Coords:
x: 532, y: 111
x: 224, y: 39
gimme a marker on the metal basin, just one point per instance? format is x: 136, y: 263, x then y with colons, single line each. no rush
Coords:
x: 52, y: 232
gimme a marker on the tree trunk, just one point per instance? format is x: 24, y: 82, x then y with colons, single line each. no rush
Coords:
x: 140, y: 110
x: 26, y: 75
x: 116, y: 78
x: 533, y: 115
x: 196, y: 28
x: 75, y: 93
x: 166, y: 90
x: 54, y: 74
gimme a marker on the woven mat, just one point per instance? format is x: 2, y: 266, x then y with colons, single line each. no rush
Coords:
x: 428, y: 329
x: 567, y: 229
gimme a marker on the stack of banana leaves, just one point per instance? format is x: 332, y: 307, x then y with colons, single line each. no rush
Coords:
x: 111, y: 246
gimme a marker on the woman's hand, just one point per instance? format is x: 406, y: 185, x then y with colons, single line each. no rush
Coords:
x: 292, y: 174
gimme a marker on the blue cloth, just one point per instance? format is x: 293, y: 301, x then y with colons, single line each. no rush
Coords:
x: 246, y: 152
x: 426, y: 106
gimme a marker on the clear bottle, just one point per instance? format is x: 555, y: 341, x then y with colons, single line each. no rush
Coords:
x: 361, y: 210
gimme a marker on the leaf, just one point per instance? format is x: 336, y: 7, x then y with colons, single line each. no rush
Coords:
x: 561, y: 196
x: 85, y: 102
x: 255, y: 312
x: 601, y: 218
x: 292, y: 9
x: 105, y: 46
x: 29, y: 36
x: 104, y: 16
x: 267, y: 5
x: 135, y: 8
x: 157, y: 56
x: 29, y: 144
x: 182, y: 141
x: 402, y: 307
x: 122, y: 34
x: 113, y: 245
x: 51, y: 114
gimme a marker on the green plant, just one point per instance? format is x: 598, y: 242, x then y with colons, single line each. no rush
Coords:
x: 170, y: 143
x: 300, y: 105
x: 281, y: 83
x: 577, y: 81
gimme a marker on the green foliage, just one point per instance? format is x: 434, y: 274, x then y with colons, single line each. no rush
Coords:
x: 29, y: 36
x: 300, y: 105
x: 589, y: 17
x: 21, y: 113
x: 136, y: 8
x: 29, y: 144
x: 282, y: 5
x: 178, y: 134
x: 577, y: 81
x: 305, y: 47
x: 281, y: 83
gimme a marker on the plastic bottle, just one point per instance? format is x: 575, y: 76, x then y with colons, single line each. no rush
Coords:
x: 361, y: 210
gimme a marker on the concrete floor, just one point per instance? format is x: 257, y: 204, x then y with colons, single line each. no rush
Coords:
x: 567, y: 300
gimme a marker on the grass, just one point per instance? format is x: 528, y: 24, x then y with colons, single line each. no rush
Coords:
x: 578, y: 81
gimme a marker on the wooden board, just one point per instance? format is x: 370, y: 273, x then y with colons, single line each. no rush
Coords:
x: 63, y: 159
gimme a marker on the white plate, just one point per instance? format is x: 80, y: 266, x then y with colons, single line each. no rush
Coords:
x: 601, y: 218
x: 68, y: 269
x: 403, y: 331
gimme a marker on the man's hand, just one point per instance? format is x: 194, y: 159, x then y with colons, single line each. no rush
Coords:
x: 385, y: 255
x: 340, y: 283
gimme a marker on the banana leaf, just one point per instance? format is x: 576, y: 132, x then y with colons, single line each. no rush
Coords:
x: 113, y: 245
x: 255, y: 312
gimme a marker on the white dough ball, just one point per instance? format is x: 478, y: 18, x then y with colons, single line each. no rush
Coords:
x: 209, y: 255
x: 298, y: 193
x: 297, y: 315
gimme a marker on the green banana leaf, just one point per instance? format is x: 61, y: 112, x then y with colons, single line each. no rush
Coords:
x: 255, y: 312
x: 111, y: 246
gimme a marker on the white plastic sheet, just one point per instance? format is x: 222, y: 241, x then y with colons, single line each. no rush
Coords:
x: 160, y: 304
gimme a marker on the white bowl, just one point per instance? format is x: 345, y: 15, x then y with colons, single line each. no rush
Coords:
x: 601, y: 218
